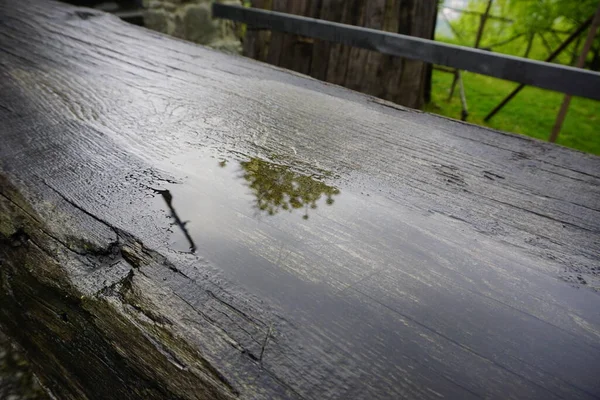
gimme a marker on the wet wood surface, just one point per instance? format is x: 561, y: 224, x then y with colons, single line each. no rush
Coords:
x: 180, y: 223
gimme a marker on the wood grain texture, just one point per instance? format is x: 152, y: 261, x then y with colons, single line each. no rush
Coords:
x: 257, y: 41
x: 410, y: 74
x: 329, y: 10
x: 296, y: 52
x: 373, y: 84
x: 356, y: 57
x: 277, y: 39
x: 339, y: 54
x: 253, y: 41
x: 456, y: 262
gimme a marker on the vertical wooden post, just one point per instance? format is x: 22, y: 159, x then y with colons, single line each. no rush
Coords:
x: 295, y: 52
x: 277, y: 38
x: 375, y: 19
x: 339, y: 54
x: 355, y: 69
x: 254, y: 41
x: 329, y: 10
x: 427, y: 85
x: 406, y: 84
x: 562, y: 113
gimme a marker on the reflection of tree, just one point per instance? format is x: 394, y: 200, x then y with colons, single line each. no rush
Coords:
x: 277, y: 188
x: 168, y: 198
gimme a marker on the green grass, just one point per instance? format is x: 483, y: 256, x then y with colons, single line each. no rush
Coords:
x: 532, y: 112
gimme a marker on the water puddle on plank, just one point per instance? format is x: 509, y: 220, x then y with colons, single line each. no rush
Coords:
x: 217, y: 191
x: 275, y: 228
x: 249, y: 214
x: 360, y: 270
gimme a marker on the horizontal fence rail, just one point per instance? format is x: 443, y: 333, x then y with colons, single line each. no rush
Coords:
x: 574, y: 81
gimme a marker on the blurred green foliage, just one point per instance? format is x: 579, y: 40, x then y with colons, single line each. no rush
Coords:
x: 549, y: 21
x: 533, y: 111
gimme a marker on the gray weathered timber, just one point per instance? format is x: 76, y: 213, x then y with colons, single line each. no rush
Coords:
x: 574, y: 81
x: 418, y: 257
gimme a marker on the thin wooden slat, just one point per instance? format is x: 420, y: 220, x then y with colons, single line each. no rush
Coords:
x: 296, y: 50
x: 372, y: 83
x: 250, y: 41
x: 329, y: 10
x: 357, y: 57
x: 429, y: 67
x: 277, y: 36
x: 340, y: 53
x: 391, y: 66
x: 410, y: 89
x: 256, y: 40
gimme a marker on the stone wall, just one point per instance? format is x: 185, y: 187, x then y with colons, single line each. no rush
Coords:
x: 192, y: 20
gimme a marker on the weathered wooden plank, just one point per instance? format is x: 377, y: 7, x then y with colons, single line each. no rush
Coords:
x: 441, y: 259
x: 575, y: 81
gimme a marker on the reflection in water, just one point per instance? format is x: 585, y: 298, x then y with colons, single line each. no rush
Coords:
x: 168, y: 198
x: 277, y: 188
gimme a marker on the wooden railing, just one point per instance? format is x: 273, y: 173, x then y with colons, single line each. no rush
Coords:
x: 574, y: 81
